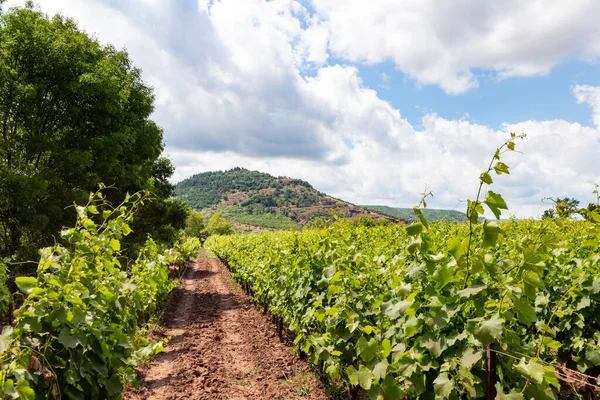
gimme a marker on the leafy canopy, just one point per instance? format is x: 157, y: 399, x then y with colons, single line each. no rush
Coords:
x: 217, y: 225
x: 73, y: 113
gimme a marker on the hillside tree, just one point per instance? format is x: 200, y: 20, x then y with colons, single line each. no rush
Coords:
x: 194, y: 225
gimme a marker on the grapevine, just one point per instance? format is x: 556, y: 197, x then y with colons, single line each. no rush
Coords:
x: 408, y: 312
x: 79, y: 333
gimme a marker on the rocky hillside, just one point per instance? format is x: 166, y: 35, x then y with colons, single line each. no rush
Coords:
x: 257, y: 199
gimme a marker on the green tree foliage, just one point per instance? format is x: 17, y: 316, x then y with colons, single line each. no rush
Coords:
x: 217, y: 225
x: 73, y: 113
x: 549, y: 214
x: 566, y: 207
x: 194, y: 225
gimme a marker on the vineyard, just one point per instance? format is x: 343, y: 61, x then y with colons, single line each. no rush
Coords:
x: 106, y: 292
x: 81, y: 330
x: 399, y: 313
x: 409, y: 312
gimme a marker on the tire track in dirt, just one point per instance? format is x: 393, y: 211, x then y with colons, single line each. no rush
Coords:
x: 221, y: 347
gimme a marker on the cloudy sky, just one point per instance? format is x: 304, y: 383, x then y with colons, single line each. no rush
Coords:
x: 371, y: 101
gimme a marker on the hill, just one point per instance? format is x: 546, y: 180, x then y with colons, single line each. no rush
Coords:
x: 256, y: 199
x: 431, y: 214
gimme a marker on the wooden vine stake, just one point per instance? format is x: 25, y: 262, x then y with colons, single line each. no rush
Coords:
x: 280, y: 327
x: 491, y: 374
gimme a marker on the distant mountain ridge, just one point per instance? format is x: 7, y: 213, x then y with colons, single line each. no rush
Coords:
x: 431, y: 214
x: 258, y: 199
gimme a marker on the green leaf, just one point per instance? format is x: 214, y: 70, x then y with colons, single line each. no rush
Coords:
x: 593, y: 355
x: 393, y: 312
x: 583, y: 303
x: 367, y: 350
x: 5, y: 338
x: 511, y: 146
x: 491, y: 231
x: 435, y: 346
x: 333, y: 370
x: 443, y: 385
x: 525, y: 312
x: 380, y: 369
x: 533, y: 279
x: 551, y: 343
x: 26, y: 283
x: 390, y: 389
x: 386, y: 347
x: 490, y: 330
x: 471, y: 290
x: 550, y: 376
x: 72, y: 377
x: 501, y: 168
x: 67, y: 339
x: 414, y: 245
x: 352, y: 375
x: 25, y: 391
x: 363, y: 377
x: 414, y: 229
x: 329, y: 271
x: 513, y: 395
x: 115, y: 245
x: 495, y: 203
x: 532, y: 371
x: 486, y: 178
x: 114, y: 385
x: 470, y: 357
x: 443, y: 275
x: 126, y: 229
x: 98, y: 364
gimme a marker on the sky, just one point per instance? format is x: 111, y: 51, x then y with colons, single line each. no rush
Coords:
x: 371, y: 102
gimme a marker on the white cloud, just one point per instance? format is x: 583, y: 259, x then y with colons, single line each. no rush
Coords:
x: 590, y: 95
x: 247, y: 83
x: 442, y: 43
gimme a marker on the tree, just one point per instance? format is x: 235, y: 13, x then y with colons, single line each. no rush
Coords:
x: 563, y: 208
x: 566, y: 207
x: 194, y: 225
x: 549, y: 214
x: 217, y: 225
x: 73, y: 113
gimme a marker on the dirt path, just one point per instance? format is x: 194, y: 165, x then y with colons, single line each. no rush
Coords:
x: 221, y: 347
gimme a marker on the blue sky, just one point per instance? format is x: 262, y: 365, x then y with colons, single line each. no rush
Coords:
x: 370, y: 101
x: 495, y: 101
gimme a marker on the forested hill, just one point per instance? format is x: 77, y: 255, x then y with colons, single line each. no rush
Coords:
x: 431, y: 214
x: 258, y: 199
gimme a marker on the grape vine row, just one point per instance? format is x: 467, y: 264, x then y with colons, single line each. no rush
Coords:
x: 406, y: 312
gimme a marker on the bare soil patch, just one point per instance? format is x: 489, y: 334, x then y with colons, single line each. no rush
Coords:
x: 222, y: 347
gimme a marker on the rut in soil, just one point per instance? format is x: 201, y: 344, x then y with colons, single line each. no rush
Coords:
x: 221, y: 347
